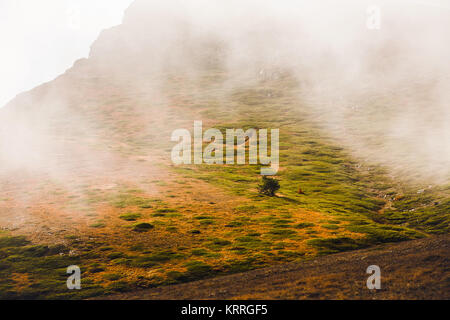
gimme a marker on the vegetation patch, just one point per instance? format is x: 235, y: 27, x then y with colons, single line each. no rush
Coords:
x: 142, y: 227
x: 304, y: 225
x: 130, y: 216
x: 45, y: 267
x: 153, y: 259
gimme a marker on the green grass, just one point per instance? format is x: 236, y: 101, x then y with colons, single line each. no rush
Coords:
x: 130, y: 198
x: 45, y: 267
x: 328, y: 175
x: 153, y: 259
x: 304, y: 225
x: 112, y: 276
x: 261, y: 230
x: 98, y: 225
x: 165, y: 210
x: 142, y: 227
x: 424, y: 214
x: 6, y: 242
x: 130, y: 216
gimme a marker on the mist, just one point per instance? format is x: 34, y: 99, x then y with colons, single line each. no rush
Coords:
x: 383, y: 92
x: 41, y: 39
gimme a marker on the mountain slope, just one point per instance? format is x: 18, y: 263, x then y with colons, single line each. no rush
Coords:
x: 86, y: 175
x: 410, y: 270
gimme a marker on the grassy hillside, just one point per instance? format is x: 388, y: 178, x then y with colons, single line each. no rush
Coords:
x: 86, y: 176
x: 145, y: 222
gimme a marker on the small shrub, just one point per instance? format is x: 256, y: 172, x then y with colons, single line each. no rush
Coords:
x: 268, y: 186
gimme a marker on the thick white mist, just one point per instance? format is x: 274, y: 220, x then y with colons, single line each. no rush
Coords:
x: 41, y: 39
x: 385, y: 93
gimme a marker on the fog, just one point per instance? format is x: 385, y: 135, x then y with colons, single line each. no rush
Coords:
x: 379, y: 84
x: 381, y: 87
x: 41, y: 39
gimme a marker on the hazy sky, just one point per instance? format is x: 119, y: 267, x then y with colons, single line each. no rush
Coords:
x: 41, y: 39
